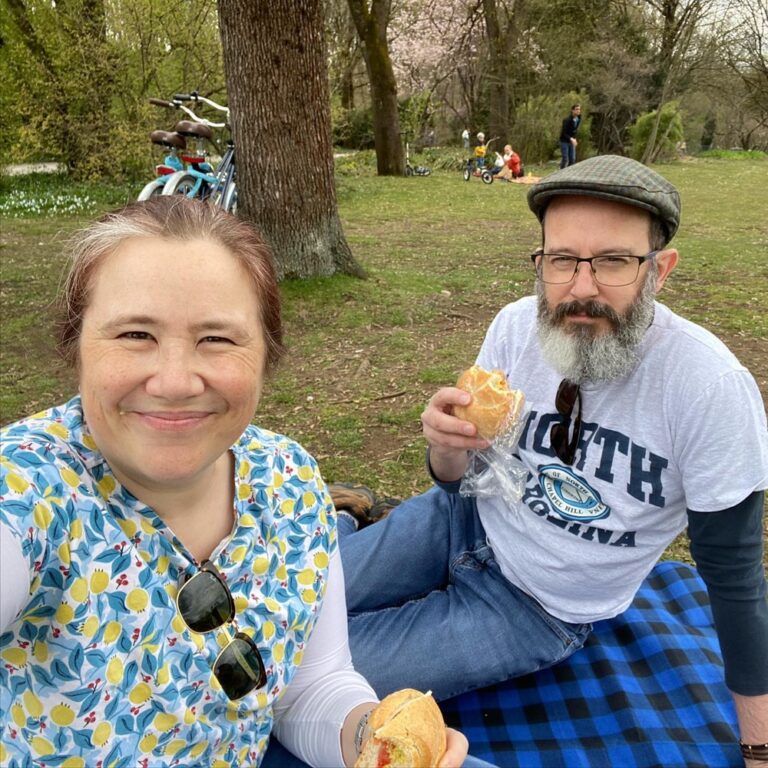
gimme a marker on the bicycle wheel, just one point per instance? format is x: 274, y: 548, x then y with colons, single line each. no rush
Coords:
x: 229, y: 201
x: 487, y: 177
x: 467, y: 174
x: 153, y: 189
x: 183, y: 183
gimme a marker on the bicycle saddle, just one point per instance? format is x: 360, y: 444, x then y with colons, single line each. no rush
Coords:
x: 168, y: 139
x: 188, y: 128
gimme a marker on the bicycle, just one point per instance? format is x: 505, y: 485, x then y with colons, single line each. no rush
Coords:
x: 171, y: 162
x: 475, y: 167
x: 175, y: 142
x: 411, y: 170
x: 215, y: 184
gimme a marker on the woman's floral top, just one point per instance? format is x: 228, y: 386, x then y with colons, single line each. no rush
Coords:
x: 99, y: 670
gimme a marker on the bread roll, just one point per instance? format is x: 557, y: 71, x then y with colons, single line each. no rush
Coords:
x: 494, y: 406
x: 407, y: 731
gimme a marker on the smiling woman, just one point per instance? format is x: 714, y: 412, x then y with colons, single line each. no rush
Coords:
x: 165, y: 392
x: 171, y: 584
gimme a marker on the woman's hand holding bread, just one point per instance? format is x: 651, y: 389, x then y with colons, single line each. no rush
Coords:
x: 406, y: 730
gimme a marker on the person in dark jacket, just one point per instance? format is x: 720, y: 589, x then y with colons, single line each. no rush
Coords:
x: 568, y: 140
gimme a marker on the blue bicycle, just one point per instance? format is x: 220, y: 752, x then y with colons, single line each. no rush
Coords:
x: 175, y: 143
x: 200, y: 180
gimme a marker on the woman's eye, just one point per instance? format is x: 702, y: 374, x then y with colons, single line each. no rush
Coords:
x: 135, y: 335
x: 216, y: 340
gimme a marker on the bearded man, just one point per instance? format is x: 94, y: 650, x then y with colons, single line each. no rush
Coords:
x: 639, y: 424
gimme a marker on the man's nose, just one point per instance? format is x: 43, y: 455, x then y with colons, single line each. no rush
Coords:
x: 584, y: 283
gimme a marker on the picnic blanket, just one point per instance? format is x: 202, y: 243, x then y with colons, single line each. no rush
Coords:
x: 646, y: 690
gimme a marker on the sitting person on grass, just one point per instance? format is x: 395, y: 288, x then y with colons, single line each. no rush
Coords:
x: 513, y: 165
x: 639, y: 424
x: 165, y: 598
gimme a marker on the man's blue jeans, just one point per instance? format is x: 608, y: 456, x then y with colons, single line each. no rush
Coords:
x: 429, y: 608
x: 568, y: 152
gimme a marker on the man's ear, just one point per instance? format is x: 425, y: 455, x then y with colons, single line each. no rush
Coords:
x: 666, y: 261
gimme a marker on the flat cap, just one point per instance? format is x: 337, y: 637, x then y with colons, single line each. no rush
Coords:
x: 611, y: 177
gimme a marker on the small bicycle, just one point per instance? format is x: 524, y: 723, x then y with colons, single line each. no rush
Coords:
x: 473, y: 169
x: 477, y: 168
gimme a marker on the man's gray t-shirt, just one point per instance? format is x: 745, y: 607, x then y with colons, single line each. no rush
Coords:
x: 685, y: 429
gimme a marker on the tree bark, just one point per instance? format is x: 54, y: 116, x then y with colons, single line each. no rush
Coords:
x: 497, y: 33
x: 275, y: 68
x: 371, y: 25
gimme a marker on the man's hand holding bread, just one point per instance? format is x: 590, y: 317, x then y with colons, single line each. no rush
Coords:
x: 467, y: 417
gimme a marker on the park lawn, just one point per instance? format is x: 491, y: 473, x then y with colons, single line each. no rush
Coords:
x: 443, y: 256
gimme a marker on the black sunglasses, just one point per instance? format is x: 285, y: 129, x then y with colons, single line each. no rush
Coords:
x: 568, y: 395
x: 205, y: 604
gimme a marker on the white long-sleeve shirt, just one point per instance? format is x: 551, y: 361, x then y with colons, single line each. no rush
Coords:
x: 309, y: 716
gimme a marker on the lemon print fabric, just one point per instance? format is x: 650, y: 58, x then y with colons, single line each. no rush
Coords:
x: 99, y: 667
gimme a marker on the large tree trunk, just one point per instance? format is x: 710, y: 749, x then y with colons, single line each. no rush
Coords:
x: 275, y: 68
x: 371, y: 28
x: 497, y: 33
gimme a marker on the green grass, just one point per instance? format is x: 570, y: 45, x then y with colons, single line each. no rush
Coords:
x: 734, y: 154
x: 443, y: 256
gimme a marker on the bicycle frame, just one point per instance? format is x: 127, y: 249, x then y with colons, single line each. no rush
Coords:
x: 207, y: 185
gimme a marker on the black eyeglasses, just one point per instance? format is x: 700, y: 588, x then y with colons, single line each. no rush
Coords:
x: 205, y: 604
x: 613, y: 270
x: 568, y: 395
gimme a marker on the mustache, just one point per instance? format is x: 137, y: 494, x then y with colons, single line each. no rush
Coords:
x: 590, y: 308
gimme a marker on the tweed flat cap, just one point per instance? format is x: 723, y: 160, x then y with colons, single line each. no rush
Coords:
x: 611, y: 177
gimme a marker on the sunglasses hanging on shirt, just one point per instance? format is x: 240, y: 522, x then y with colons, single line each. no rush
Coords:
x: 564, y: 436
x: 206, y: 604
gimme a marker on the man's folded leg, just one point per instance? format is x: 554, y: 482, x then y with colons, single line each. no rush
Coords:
x: 429, y: 608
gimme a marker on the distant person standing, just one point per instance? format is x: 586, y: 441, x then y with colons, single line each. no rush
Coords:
x: 465, y: 138
x: 480, y: 149
x: 568, y: 136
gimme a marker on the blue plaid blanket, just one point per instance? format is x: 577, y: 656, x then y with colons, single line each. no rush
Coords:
x: 646, y: 690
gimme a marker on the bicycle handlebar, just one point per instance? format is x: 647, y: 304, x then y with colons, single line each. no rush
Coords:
x: 195, y: 96
x: 176, y: 104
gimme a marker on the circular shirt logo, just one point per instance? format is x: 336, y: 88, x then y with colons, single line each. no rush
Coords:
x: 570, y: 495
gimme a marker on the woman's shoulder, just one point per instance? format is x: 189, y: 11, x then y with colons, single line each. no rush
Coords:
x: 260, y: 444
x: 46, y: 459
x: 50, y: 437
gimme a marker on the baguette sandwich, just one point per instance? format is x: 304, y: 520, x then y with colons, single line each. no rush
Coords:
x: 494, y: 406
x: 407, y: 731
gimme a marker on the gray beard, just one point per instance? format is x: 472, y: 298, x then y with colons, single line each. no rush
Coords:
x: 581, y: 354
